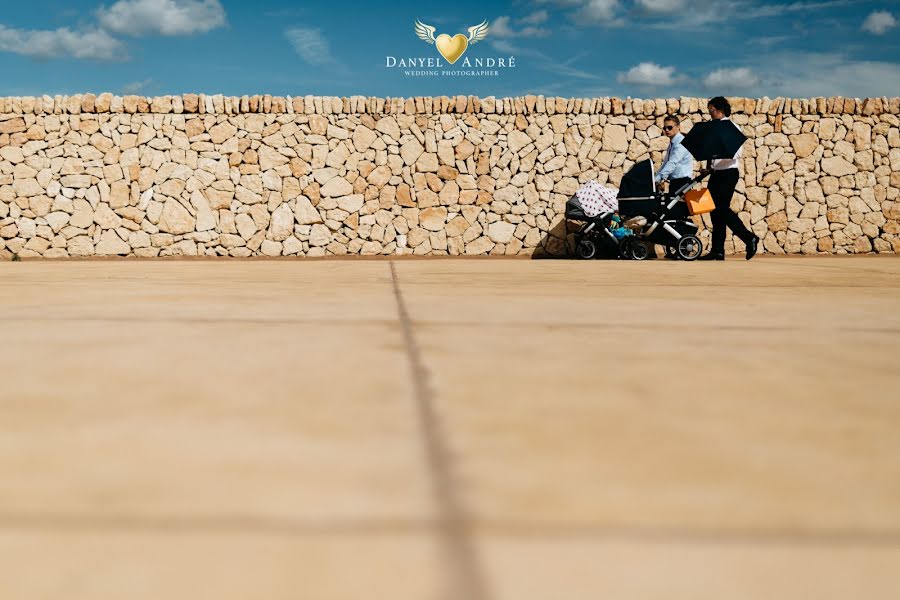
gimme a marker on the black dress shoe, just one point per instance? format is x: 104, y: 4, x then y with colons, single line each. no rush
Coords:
x: 712, y: 256
x: 751, y: 247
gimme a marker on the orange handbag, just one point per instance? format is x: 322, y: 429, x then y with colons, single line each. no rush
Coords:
x: 699, y: 201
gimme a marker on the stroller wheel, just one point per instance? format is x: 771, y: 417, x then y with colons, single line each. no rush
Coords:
x: 672, y: 252
x: 586, y: 249
x: 689, y: 247
x: 625, y: 247
x: 639, y: 250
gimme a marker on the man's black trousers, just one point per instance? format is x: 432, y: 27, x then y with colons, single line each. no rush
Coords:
x: 721, y: 186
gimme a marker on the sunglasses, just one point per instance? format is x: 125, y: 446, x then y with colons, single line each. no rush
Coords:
x: 669, y: 127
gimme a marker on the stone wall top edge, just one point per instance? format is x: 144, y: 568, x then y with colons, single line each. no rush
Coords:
x: 218, y: 104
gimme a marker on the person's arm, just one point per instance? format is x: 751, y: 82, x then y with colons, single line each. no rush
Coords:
x: 668, y: 166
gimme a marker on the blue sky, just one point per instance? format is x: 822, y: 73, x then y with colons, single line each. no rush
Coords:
x: 639, y: 48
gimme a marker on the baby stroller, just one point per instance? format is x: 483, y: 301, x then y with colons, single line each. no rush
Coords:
x: 654, y: 217
x: 593, y: 237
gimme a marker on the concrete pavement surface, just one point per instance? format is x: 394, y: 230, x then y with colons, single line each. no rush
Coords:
x: 450, y: 429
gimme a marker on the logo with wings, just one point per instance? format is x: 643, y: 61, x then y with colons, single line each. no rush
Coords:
x: 451, y: 48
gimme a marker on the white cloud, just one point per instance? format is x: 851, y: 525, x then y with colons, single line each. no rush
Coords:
x: 599, y: 11
x: 770, y: 40
x: 91, y: 44
x: 533, y: 32
x: 132, y: 17
x: 504, y: 46
x: 543, y: 62
x: 501, y: 28
x: 313, y: 48
x: 649, y: 74
x: 562, y: 2
x: 805, y: 75
x: 535, y: 18
x: 310, y: 44
x: 879, y: 22
x: 800, y: 75
x: 162, y: 17
x: 701, y: 14
x: 564, y: 77
x: 135, y: 87
x: 660, y: 7
x: 783, y: 73
x: 747, y: 10
x: 685, y: 15
x: 731, y: 79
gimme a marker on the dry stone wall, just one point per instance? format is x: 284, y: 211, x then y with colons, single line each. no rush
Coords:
x: 313, y: 176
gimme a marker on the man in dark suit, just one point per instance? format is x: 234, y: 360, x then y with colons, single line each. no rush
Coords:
x: 723, y: 179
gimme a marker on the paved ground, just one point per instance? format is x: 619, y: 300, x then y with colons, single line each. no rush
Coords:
x: 450, y: 429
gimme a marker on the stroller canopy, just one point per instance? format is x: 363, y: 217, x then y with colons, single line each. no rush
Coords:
x: 639, y: 181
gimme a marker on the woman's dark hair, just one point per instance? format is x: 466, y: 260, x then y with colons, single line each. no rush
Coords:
x: 673, y: 119
x: 720, y: 103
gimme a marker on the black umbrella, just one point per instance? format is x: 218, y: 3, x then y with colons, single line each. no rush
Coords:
x: 708, y: 140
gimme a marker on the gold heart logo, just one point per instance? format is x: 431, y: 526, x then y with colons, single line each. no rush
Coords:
x: 451, y: 48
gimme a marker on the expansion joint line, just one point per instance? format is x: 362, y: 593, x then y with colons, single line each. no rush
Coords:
x: 465, y: 579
